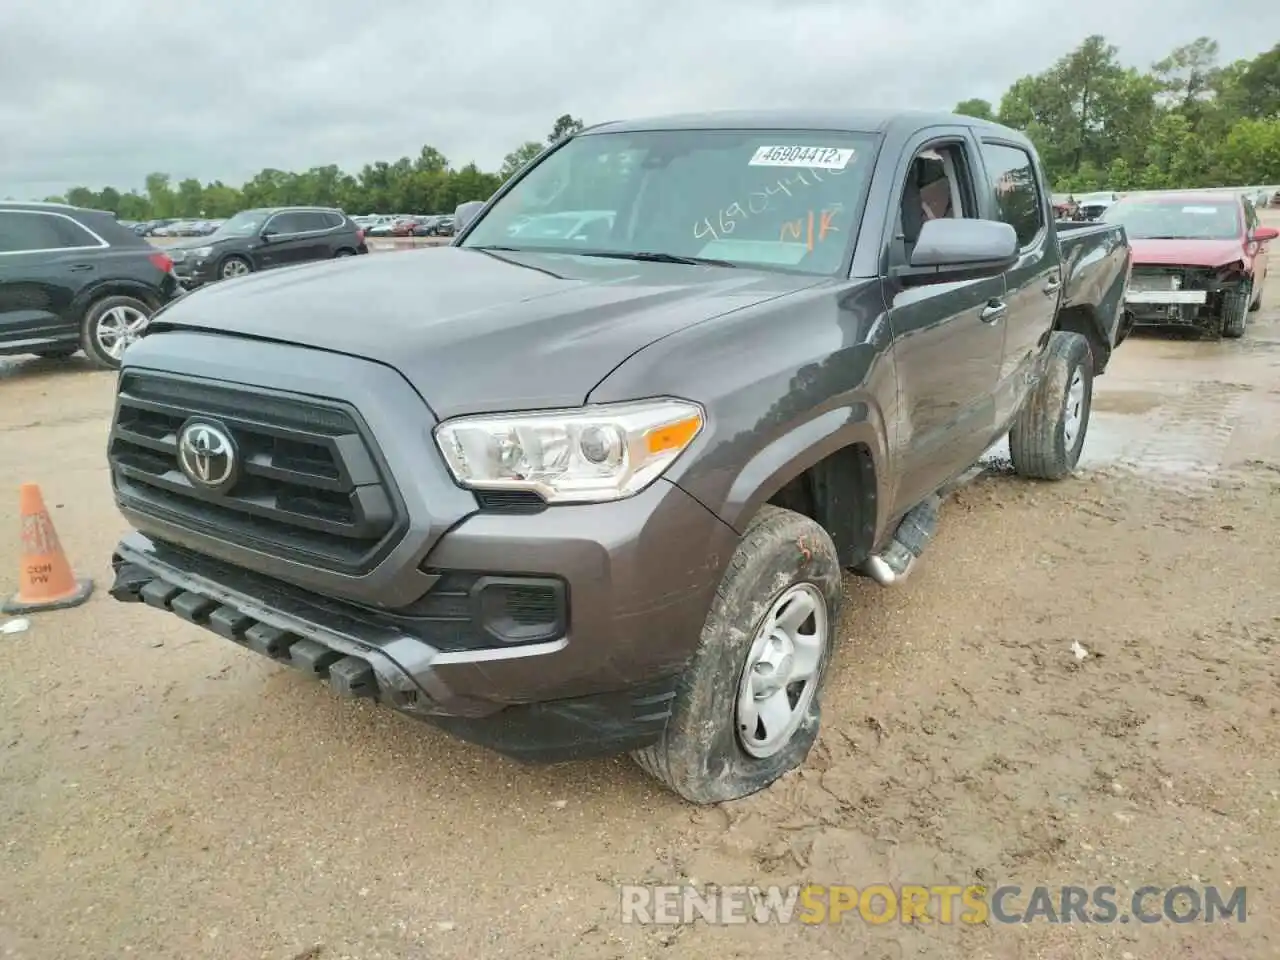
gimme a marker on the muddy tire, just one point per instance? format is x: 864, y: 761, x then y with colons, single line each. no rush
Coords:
x: 1046, y: 438
x: 774, y: 616
x: 1235, y: 312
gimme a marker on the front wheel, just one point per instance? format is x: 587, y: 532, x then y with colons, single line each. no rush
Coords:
x: 747, y: 708
x: 110, y: 326
x: 1048, y: 434
x: 1235, y: 312
x: 234, y: 267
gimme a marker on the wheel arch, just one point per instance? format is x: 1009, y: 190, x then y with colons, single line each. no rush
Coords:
x: 1083, y: 319
x: 826, y: 468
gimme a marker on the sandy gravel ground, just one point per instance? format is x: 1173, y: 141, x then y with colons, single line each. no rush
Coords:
x: 164, y: 794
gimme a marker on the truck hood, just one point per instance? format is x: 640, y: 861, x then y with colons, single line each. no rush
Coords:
x: 1185, y: 253
x: 479, y: 332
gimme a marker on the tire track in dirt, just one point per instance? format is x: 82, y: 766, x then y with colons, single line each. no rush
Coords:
x: 1185, y: 441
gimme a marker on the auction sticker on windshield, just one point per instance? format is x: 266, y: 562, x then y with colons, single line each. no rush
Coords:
x: 820, y: 158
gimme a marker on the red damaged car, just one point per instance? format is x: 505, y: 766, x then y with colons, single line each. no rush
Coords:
x: 1199, y: 259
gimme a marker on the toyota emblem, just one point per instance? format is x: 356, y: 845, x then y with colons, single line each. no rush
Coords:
x: 207, y: 455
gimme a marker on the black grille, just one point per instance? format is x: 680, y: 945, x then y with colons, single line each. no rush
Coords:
x: 311, y: 487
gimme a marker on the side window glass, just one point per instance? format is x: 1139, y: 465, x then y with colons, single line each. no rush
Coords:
x: 22, y: 232
x: 1017, y: 194
x: 284, y: 223
x: 332, y: 220
x: 938, y: 185
x: 313, y: 221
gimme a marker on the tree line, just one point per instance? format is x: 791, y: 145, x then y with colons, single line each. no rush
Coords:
x: 1188, y: 121
x: 422, y: 184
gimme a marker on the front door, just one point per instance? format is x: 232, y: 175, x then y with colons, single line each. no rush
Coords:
x: 948, y: 338
x: 283, y: 241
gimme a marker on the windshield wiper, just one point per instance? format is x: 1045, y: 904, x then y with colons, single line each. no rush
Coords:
x: 658, y: 258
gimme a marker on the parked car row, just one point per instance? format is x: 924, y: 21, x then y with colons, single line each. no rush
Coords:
x: 436, y: 225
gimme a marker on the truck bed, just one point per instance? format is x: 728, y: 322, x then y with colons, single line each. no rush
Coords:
x: 1095, y: 260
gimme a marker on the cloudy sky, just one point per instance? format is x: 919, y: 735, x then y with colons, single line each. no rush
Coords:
x: 100, y: 92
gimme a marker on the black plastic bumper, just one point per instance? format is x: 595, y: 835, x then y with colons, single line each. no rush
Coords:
x: 356, y: 662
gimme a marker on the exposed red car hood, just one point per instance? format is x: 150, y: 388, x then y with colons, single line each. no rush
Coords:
x: 1186, y: 253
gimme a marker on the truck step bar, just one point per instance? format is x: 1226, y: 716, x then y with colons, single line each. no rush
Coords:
x: 894, y: 564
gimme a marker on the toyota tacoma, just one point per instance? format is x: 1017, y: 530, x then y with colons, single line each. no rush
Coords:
x: 587, y: 491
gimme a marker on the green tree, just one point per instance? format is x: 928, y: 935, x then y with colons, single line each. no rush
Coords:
x: 517, y: 158
x: 566, y: 125
x: 981, y: 109
x: 1259, y: 85
x: 1250, y: 153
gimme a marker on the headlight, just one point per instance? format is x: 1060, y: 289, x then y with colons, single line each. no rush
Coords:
x: 202, y: 251
x: 583, y: 455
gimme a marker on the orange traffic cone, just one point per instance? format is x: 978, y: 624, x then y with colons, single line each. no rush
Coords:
x: 45, y: 580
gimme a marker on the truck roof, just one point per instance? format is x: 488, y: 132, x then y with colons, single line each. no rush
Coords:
x: 903, y: 122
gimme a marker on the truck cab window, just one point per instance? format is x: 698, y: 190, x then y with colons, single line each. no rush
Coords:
x: 1014, y: 184
x: 934, y: 189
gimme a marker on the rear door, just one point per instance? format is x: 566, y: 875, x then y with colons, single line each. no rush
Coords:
x: 46, y: 260
x: 948, y: 338
x: 1033, y: 286
x: 316, y: 234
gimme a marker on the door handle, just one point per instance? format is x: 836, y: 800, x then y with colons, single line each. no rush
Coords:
x: 1052, y: 287
x: 994, y: 311
x: 80, y: 267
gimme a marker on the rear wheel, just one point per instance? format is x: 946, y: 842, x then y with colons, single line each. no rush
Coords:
x: 747, y: 708
x: 1235, y: 312
x: 1046, y: 438
x: 110, y: 326
x: 344, y: 252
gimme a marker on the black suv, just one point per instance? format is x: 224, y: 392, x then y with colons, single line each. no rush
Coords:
x: 75, y: 279
x: 270, y: 237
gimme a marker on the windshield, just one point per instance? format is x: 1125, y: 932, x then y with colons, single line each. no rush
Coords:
x: 242, y: 224
x: 1193, y: 220
x: 781, y: 199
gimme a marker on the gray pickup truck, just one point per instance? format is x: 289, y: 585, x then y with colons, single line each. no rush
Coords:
x: 587, y: 480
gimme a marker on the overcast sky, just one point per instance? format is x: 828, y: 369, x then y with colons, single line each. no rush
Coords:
x: 101, y: 92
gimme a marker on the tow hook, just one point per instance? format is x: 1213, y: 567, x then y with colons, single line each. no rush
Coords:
x: 894, y: 564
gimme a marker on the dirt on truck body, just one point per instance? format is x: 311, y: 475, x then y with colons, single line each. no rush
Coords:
x: 592, y: 494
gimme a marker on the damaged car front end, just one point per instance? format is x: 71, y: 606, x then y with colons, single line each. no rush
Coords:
x: 1209, y: 299
x: 1199, y: 261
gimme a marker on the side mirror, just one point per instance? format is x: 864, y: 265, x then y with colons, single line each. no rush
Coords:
x: 465, y: 213
x: 266, y: 235
x: 950, y: 249
x: 1263, y: 234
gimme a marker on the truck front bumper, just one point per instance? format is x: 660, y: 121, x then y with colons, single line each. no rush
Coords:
x: 638, y: 574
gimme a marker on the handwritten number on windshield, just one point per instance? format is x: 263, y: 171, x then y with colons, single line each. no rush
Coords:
x: 758, y: 201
